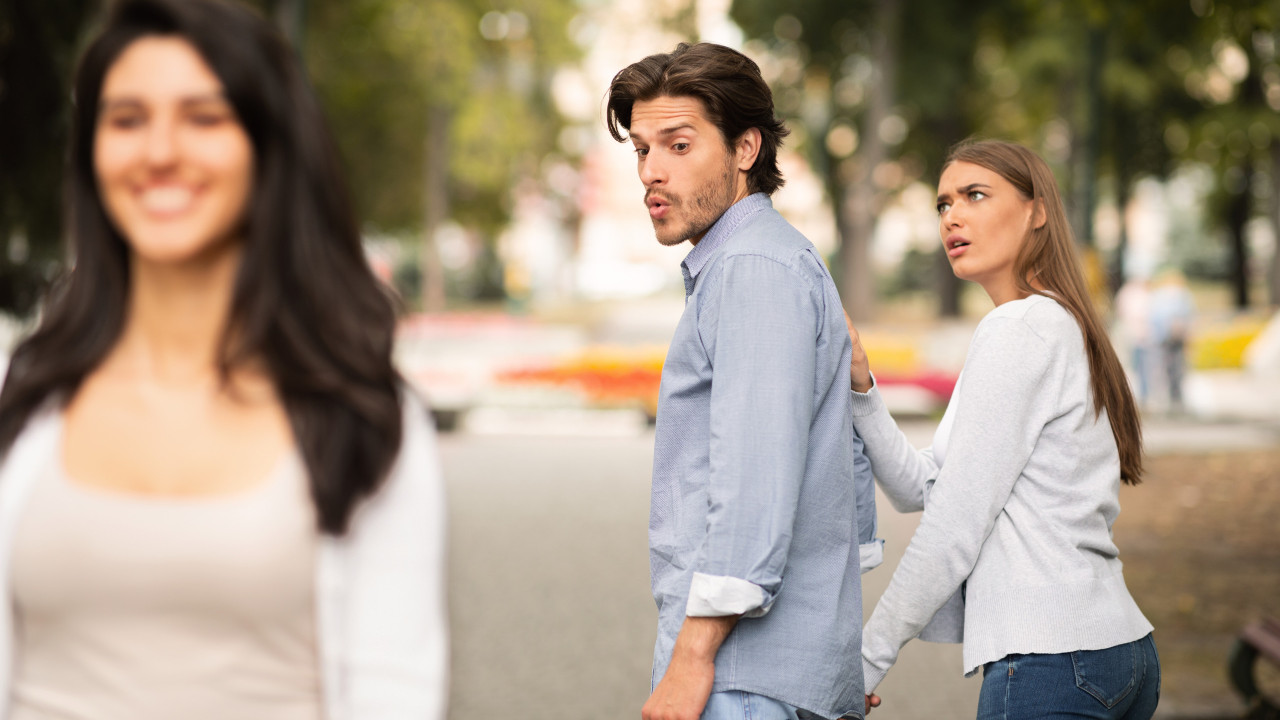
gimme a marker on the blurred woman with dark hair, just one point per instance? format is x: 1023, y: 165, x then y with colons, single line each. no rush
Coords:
x: 1014, y: 553
x: 217, y: 496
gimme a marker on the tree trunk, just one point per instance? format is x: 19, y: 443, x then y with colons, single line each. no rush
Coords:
x: 1087, y: 171
x: 860, y: 203
x: 291, y: 17
x: 948, y: 287
x: 1118, y: 272
x: 435, y: 203
x: 1273, y: 274
x: 1237, y: 218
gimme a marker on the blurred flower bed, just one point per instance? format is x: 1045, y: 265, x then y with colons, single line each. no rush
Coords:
x: 607, y: 377
x: 1222, y: 346
x: 629, y: 377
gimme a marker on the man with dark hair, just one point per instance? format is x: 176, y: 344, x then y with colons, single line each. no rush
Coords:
x: 763, y: 507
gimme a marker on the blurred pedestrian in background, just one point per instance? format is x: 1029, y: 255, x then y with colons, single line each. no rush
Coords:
x: 1172, y: 310
x: 217, y: 497
x: 1019, y: 489
x: 1133, y: 315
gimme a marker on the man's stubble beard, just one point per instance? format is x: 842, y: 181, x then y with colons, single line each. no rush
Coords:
x: 705, y: 207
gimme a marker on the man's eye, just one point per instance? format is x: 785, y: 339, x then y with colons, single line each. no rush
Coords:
x: 680, y: 147
x: 642, y: 151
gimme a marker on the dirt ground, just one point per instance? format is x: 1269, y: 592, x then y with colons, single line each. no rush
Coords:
x: 1200, y: 541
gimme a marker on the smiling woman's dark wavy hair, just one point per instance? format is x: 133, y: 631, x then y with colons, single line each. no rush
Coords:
x: 305, y: 303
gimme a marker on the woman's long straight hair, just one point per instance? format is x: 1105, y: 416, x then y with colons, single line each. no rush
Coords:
x: 1048, y: 264
x: 305, y: 302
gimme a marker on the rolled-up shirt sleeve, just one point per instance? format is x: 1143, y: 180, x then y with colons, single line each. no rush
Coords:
x: 721, y: 595
x: 870, y: 547
x: 762, y: 339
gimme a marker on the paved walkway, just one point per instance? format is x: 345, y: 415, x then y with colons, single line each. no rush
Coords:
x: 549, y: 579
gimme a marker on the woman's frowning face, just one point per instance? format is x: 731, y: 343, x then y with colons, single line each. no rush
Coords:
x: 983, y: 221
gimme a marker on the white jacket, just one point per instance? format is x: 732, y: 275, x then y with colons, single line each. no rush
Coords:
x: 380, y: 601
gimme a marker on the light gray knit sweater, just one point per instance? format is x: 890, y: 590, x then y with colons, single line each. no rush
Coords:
x: 1020, y: 511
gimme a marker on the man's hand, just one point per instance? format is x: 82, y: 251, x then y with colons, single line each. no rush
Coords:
x: 684, y: 689
x: 872, y: 701
x: 859, y: 368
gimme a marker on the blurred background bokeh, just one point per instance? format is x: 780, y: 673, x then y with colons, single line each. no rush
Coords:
x: 472, y: 132
x: 537, y: 305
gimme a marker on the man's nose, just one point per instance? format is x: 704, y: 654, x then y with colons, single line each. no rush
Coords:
x: 652, y: 170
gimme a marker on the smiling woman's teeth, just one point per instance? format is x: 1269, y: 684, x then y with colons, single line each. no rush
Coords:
x: 166, y: 199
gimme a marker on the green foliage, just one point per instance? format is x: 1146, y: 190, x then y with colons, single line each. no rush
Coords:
x: 1124, y: 90
x: 37, y: 40
x: 386, y: 68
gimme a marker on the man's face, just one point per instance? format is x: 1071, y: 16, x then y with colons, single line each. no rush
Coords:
x: 690, y: 176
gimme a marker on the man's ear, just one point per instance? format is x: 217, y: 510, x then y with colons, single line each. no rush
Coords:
x: 747, y: 148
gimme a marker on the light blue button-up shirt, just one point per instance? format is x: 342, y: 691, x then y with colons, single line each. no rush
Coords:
x: 761, y: 494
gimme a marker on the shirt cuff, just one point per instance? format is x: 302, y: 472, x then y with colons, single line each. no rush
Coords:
x: 721, y: 595
x: 871, y: 555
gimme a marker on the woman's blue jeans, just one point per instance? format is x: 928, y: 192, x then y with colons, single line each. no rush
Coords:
x: 1118, y: 683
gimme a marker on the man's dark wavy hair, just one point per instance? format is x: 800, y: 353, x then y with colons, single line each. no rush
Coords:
x: 305, y: 301
x: 728, y: 84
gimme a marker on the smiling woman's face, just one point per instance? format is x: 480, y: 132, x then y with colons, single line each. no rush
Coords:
x: 174, y: 166
x: 983, y: 221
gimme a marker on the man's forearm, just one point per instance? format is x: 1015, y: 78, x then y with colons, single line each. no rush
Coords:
x: 683, y: 691
x: 701, y: 637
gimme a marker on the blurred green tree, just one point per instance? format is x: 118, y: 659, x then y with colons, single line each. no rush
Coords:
x: 1231, y: 68
x: 441, y: 107
x: 37, y: 44
x: 1108, y: 92
x: 881, y: 90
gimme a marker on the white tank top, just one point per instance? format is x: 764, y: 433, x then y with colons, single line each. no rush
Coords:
x: 136, y: 607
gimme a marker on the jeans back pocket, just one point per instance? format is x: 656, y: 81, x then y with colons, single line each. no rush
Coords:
x: 1108, y: 675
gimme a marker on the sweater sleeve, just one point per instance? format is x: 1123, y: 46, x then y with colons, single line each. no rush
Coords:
x: 901, y: 470
x: 395, y: 623
x: 1004, y: 404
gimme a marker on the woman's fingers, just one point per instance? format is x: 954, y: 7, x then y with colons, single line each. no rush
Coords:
x: 859, y: 368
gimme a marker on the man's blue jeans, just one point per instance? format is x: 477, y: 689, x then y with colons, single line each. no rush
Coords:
x: 735, y: 705
x: 1118, y: 683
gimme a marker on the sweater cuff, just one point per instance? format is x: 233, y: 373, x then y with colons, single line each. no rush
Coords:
x: 869, y: 402
x: 871, y: 676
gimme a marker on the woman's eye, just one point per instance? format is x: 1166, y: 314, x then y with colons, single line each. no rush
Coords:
x: 208, y: 119
x: 976, y: 195
x: 124, y: 121
x: 943, y: 207
x: 680, y: 147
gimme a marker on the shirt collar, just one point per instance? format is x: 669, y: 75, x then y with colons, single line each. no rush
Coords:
x: 719, y: 232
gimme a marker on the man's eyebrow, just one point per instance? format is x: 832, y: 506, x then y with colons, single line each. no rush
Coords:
x: 666, y: 131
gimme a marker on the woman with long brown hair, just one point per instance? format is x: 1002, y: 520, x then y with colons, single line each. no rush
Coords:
x: 1014, y: 554
x: 218, y: 499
